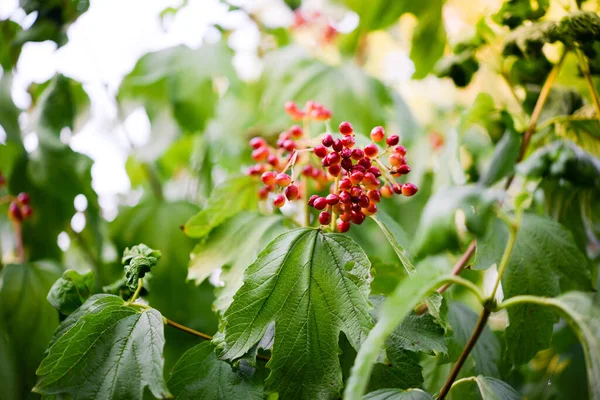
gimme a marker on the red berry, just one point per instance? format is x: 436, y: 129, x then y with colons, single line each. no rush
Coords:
x: 273, y: 160
x: 377, y: 134
x: 359, y: 167
x: 346, y: 217
x: 327, y: 140
x: 365, y: 163
x: 338, y: 145
x: 263, y: 193
x: 343, y: 226
x: 358, y: 217
x: 333, y: 158
x: 358, y: 154
x: 292, y: 109
x: 332, y: 199
x: 409, y: 189
x: 395, y: 159
x: 344, y: 196
x: 356, y: 177
x: 363, y: 201
x: 296, y: 132
x: 291, y: 192
x: 400, y: 150
x: 348, y: 141
x: 392, y: 140
x: 375, y: 171
x: 371, y: 150
x: 279, y: 201
x: 346, y: 164
x: 260, y: 154
x: 23, y: 198
x: 397, y: 188
x: 372, y: 209
x: 14, y: 212
x: 320, y: 203
x: 257, y: 142
x: 386, y: 191
x: 320, y: 151
x: 321, y: 115
x: 283, y: 179
x: 403, y: 169
x: 346, y: 128
x: 374, y: 195
x: 345, y: 184
x: 334, y: 170
x: 311, y: 200
x: 355, y: 207
x: 355, y: 192
x: 370, y: 181
x: 288, y: 145
x: 324, y: 218
x: 346, y: 153
x: 307, y: 170
x: 268, y: 178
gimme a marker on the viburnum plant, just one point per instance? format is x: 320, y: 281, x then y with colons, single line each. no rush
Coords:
x: 232, y: 269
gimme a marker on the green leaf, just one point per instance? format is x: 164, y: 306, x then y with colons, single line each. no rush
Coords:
x: 9, y: 113
x: 460, y: 67
x: 582, y: 128
x: 504, y: 158
x: 513, y: 13
x: 61, y: 103
x: 419, y: 333
x: 398, y: 394
x: 28, y: 319
x: 386, y: 276
x: 429, y: 36
x: 71, y: 290
x: 138, y: 261
x: 157, y: 224
x: 11, y: 48
x: 391, y: 237
x: 10, y: 379
x: 226, y: 200
x: 437, y: 230
x: 485, y: 356
x: 252, y: 232
x: 491, y: 246
x: 545, y: 262
x: 180, y: 79
x: 406, y: 296
x: 313, y: 286
x: 124, y: 346
x: 200, y: 375
x: 484, y: 388
x: 582, y: 312
x: 401, y: 370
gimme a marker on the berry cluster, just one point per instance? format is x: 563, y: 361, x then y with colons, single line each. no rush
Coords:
x: 358, y: 178
x: 19, y: 209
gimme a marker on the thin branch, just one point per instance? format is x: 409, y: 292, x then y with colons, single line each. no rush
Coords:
x: 585, y: 70
x: 483, y: 318
x: 137, y: 290
x: 202, y: 335
x: 456, y: 270
x: 19, y: 241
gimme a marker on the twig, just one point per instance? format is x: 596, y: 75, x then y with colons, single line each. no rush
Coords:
x: 137, y: 291
x: 458, y: 267
x: 19, y: 241
x: 202, y: 335
x: 585, y: 70
x: 483, y: 318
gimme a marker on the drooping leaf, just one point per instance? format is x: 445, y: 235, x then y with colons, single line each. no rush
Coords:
x: 438, y: 231
x: 419, y: 333
x: 484, y: 388
x: 251, y: 232
x: 545, y: 261
x: 138, y: 261
x: 124, y: 346
x: 401, y: 370
x: 28, y: 319
x: 71, y: 290
x: 582, y: 312
x: 226, y: 200
x: 394, y: 233
x: 504, y: 159
x: 398, y: 394
x: 313, y: 286
x: 10, y: 379
x: 397, y: 306
x: 200, y: 375
x: 485, y: 356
